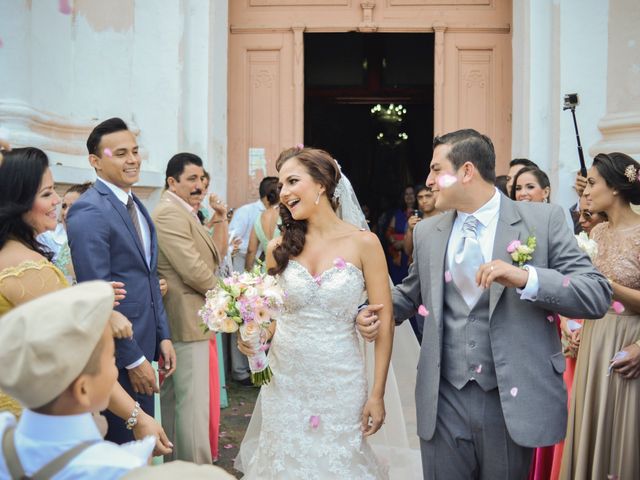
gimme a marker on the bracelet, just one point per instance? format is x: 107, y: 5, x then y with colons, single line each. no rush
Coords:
x: 219, y: 221
x: 132, y: 421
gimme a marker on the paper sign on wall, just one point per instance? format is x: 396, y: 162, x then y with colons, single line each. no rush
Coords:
x: 257, y: 161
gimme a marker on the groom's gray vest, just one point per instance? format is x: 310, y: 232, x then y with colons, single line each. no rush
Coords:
x: 466, y: 353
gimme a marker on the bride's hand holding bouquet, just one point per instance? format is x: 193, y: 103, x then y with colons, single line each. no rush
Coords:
x: 247, y: 302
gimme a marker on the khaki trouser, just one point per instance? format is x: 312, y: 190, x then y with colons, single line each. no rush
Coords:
x: 184, y: 399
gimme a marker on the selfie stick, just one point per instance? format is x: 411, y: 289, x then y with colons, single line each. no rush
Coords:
x: 583, y: 166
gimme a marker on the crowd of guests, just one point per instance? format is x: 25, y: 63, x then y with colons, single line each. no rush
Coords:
x: 602, y: 384
x: 152, y: 270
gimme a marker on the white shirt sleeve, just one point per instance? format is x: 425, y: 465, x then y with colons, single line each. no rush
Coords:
x: 530, y: 290
x: 135, y: 364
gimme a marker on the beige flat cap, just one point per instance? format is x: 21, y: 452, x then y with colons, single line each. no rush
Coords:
x: 47, y: 342
x: 178, y: 469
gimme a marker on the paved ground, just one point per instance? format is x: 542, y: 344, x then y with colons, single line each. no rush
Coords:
x: 233, y: 422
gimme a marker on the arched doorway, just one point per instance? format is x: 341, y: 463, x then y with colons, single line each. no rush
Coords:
x: 470, y: 60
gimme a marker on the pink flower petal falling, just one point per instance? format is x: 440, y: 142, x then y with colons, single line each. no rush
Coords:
x: 339, y: 263
x: 1, y: 42
x: 446, y: 180
x: 314, y: 421
x: 422, y: 310
x: 550, y: 318
x: 447, y: 276
x: 108, y: 152
x: 318, y: 279
x: 617, y: 307
x: 64, y: 7
x: 300, y: 146
x: 566, y: 281
x: 514, y: 392
x: 479, y: 369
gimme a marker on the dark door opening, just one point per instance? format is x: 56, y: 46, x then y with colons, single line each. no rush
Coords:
x: 369, y: 102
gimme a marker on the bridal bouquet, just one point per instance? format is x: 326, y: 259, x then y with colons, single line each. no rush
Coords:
x: 588, y: 245
x: 246, y: 302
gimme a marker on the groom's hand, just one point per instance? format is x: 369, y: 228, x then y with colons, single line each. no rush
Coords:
x: 367, y: 322
x: 502, y: 272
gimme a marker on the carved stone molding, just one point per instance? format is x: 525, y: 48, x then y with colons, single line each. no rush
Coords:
x: 54, y: 133
x: 620, y: 133
x: 367, y: 24
x: 403, y: 27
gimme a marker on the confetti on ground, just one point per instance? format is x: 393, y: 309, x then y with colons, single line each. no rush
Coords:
x: 314, y: 421
x: 514, y: 392
x: 247, y: 415
x: 222, y: 434
x: 228, y: 446
x: 422, y: 310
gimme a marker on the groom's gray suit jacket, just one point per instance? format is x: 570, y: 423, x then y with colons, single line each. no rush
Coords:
x: 525, y: 346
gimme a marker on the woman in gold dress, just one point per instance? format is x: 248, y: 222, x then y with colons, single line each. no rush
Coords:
x: 28, y: 204
x: 603, y: 435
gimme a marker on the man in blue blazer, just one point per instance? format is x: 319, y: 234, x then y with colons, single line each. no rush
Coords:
x: 112, y: 238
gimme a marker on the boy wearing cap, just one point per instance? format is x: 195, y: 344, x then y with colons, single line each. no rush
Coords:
x: 58, y: 358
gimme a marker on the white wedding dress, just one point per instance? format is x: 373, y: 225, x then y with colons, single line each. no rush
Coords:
x: 306, y: 424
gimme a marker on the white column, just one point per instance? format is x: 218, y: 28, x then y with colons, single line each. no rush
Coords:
x: 620, y: 127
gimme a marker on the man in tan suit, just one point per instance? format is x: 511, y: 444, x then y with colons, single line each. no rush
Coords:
x: 188, y: 260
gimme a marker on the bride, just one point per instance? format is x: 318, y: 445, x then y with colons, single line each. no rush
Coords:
x: 316, y: 413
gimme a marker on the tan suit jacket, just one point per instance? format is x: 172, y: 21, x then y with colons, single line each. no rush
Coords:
x: 188, y: 260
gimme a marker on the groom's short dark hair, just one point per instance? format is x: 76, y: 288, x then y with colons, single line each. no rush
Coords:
x: 468, y: 145
x: 111, y: 125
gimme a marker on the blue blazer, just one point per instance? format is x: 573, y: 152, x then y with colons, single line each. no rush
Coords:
x: 104, y: 245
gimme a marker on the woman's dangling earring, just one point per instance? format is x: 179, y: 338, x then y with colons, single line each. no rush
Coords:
x: 318, y: 199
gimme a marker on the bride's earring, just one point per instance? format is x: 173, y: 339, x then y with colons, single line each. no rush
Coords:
x: 318, y: 199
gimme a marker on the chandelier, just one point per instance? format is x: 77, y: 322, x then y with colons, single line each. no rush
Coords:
x: 390, y: 119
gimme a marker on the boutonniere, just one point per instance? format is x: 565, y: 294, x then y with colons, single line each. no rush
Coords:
x: 587, y: 245
x: 521, y: 252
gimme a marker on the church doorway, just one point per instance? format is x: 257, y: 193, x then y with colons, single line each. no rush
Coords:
x: 369, y: 102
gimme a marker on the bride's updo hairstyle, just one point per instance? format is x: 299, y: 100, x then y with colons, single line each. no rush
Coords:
x: 621, y: 173
x: 324, y: 170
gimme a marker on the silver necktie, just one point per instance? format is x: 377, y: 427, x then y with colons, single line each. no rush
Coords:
x: 466, y: 261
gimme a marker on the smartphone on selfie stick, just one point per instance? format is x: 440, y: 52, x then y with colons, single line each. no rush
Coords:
x: 571, y: 101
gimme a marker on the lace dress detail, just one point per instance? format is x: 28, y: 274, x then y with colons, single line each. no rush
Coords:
x: 618, y: 254
x: 29, y: 280
x: 311, y: 410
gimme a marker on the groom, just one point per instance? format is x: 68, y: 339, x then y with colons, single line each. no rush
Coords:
x: 489, y: 386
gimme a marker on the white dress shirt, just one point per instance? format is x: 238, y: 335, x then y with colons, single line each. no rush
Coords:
x: 146, y: 238
x: 41, y: 438
x: 144, y: 226
x: 54, y: 239
x: 487, y: 216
